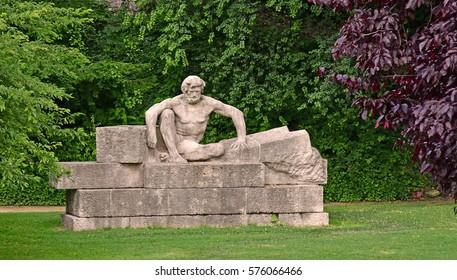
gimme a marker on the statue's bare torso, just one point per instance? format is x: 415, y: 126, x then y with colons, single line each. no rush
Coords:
x: 183, y: 121
x: 191, y: 120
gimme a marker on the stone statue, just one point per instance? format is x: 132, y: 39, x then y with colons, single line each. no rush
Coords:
x: 183, y: 121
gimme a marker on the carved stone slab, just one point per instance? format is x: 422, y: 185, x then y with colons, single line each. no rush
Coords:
x: 286, y: 199
x: 204, y: 175
x: 93, y: 175
x: 186, y: 221
x: 126, y: 144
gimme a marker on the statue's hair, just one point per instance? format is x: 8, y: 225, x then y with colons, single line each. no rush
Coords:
x: 192, y: 80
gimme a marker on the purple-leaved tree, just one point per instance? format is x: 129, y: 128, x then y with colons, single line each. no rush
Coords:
x: 406, y: 51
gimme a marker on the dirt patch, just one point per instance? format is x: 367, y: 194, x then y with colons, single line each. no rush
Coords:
x: 10, y: 209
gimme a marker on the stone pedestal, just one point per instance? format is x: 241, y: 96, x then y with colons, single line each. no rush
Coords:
x: 277, y: 179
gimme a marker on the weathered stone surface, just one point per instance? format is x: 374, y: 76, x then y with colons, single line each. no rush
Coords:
x: 297, y: 168
x: 148, y: 221
x: 285, y: 199
x: 260, y: 219
x: 88, y: 203
x: 277, y: 143
x: 293, y: 219
x: 304, y: 219
x: 203, y: 175
x: 274, y: 134
x: 123, y: 144
x: 275, y: 174
x: 117, y: 202
x: 290, y: 158
x: 187, y: 221
x: 77, y: 224
x: 139, y: 202
x: 226, y: 220
x: 207, y: 201
x: 250, y: 153
x: 315, y: 173
x: 93, y: 175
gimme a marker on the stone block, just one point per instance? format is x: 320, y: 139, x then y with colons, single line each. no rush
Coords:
x: 186, y: 221
x: 123, y: 144
x: 117, y: 202
x: 285, y: 199
x: 250, y: 153
x: 312, y: 172
x: 294, y: 219
x: 274, y: 134
x: 148, y: 221
x: 88, y: 203
x: 273, y: 177
x: 226, y: 220
x: 78, y: 224
x: 290, y: 158
x: 93, y: 175
x: 139, y: 202
x: 127, y: 144
x: 207, y: 201
x: 276, y: 145
x: 260, y: 219
x: 207, y: 220
x: 304, y: 219
x: 203, y: 175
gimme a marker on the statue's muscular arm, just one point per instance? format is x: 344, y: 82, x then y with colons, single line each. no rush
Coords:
x: 237, y: 118
x: 151, y: 119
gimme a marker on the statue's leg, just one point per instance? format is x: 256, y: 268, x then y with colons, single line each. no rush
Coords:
x: 204, y: 152
x: 169, y: 135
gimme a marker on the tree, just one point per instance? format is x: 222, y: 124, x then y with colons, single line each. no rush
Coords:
x: 261, y: 56
x: 33, y: 67
x: 363, y: 163
x: 406, y: 54
x: 253, y: 54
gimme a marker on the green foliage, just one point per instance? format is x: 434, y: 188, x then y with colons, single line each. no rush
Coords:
x: 108, y: 68
x: 364, y: 165
x: 110, y: 90
x: 31, y: 122
x: 253, y: 55
x: 262, y: 58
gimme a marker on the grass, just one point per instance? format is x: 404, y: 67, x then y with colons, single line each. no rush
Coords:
x: 419, y: 230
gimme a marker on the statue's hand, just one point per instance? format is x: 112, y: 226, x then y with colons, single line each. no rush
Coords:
x: 239, y: 144
x: 152, y: 141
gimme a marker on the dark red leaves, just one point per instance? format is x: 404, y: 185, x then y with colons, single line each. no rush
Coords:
x: 321, y: 72
x: 415, y: 74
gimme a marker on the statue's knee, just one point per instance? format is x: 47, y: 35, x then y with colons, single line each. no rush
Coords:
x: 167, y: 119
x: 219, y: 149
x: 167, y: 114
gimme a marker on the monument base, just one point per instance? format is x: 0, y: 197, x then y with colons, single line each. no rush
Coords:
x: 276, y: 179
x: 186, y: 221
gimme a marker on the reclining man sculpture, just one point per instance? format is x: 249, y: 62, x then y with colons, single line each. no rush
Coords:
x: 183, y: 121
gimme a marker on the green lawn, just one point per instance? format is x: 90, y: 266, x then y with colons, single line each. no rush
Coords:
x: 418, y: 230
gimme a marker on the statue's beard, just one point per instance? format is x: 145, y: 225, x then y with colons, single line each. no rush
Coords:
x: 193, y: 100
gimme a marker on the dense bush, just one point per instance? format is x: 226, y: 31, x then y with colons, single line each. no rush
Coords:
x: 33, y: 63
x: 258, y: 56
x: 363, y: 162
x: 406, y: 56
